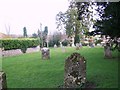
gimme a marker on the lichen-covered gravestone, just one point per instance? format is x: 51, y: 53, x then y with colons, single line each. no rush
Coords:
x: 75, y: 71
x: 3, y: 83
x: 45, y: 53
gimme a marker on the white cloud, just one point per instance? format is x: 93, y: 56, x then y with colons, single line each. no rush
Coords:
x: 30, y: 13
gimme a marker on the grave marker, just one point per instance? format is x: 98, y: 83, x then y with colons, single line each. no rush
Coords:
x: 75, y: 71
x: 45, y: 53
x: 3, y: 83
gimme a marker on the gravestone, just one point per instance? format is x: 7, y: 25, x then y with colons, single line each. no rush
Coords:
x: 55, y: 46
x: 107, y: 51
x: 63, y: 49
x: 77, y: 46
x: 80, y: 45
x: 3, y: 83
x: 61, y: 44
x: 45, y: 53
x: 75, y: 71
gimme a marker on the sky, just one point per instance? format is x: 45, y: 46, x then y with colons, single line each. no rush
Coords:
x: 17, y: 14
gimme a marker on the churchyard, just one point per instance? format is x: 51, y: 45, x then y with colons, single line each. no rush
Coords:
x: 29, y: 70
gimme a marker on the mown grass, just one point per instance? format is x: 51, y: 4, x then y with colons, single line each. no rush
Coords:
x: 30, y: 71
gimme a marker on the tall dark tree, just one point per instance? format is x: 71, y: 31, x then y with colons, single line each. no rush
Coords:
x: 69, y: 20
x: 110, y: 19
x: 109, y: 25
x: 85, y: 13
x: 45, y: 33
x: 24, y: 32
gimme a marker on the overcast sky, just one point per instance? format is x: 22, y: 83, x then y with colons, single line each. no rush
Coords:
x: 30, y: 13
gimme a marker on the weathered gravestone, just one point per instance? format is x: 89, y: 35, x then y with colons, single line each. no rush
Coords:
x: 107, y: 51
x: 77, y: 46
x: 55, y: 46
x: 75, y: 71
x: 45, y: 53
x: 3, y: 83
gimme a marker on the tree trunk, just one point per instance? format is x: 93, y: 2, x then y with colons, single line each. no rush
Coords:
x: 107, y: 52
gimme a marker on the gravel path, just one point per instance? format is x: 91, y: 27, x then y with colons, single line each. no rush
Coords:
x: 18, y: 52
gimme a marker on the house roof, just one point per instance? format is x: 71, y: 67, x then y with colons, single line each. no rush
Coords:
x: 2, y: 35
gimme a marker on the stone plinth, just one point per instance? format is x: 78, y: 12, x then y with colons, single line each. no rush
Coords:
x: 3, y: 83
x: 75, y: 71
x: 45, y: 53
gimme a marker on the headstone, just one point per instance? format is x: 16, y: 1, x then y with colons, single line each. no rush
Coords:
x: 75, y: 71
x: 3, y: 83
x: 63, y: 49
x: 60, y: 44
x: 80, y: 45
x: 73, y: 42
x: 77, y: 46
x: 107, y: 51
x: 45, y: 53
x: 55, y: 46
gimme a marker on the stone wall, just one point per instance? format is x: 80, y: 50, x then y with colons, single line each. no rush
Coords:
x: 18, y: 52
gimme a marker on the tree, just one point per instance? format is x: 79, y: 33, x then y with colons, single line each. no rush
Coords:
x: 69, y: 21
x: 108, y: 24
x: 45, y: 33
x: 24, y: 32
x: 85, y: 14
x: 7, y: 29
x: 56, y: 38
x: 40, y: 38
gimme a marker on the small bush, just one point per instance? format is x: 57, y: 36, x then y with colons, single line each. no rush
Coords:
x: 53, y: 42
x: 98, y: 41
x: 65, y: 42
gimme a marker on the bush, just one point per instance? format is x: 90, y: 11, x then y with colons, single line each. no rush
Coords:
x: 65, y: 42
x: 98, y: 41
x: 53, y: 42
x: 23, y: 44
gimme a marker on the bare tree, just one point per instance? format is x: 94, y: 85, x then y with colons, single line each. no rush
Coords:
x: 7, y: 28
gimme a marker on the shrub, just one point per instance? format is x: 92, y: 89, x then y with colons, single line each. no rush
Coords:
x: 53, y: 42
x: 23, y: 44
x: 65, y: 42
x: 98, y: 41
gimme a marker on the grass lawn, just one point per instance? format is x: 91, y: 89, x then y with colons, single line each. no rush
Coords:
x: 30, y: 71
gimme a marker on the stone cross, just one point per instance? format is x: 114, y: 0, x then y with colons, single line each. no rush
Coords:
x: 75, y: 71
x: 45, y: 53
x: 3, y: 83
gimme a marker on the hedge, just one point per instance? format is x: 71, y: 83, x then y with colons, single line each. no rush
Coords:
x: 9, y: 44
